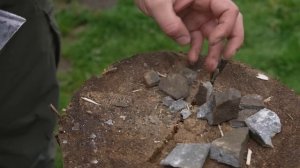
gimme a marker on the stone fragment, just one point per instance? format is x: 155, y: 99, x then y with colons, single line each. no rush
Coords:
x: 178, y: 105
x: 190, y: 75
x: 231, y: 148
x: 93, y: 136
x: 187, y: 156
x: 185, y: 113
x: 175, y: 85
x: 109, y: 122
x: 167, y: 101
x: 240, y: 121
x: 204, y: 110
x: 151, y: 78
x: 263, y: 126
x: 204, y: 92
x: 225, y: 106
x: 94, y: 161
x: 252, y: 101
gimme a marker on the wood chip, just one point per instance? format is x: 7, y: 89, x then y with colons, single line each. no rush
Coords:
x: 220, y: 129
x: 248, y: 162
x: 268, y: 99
x: 161, y: 75
x: 262, y: 76
x: 89, y: 100
x: 155, y: 108
x: 137, y: 90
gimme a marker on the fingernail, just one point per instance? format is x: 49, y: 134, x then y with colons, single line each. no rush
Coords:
x: 183, y: 40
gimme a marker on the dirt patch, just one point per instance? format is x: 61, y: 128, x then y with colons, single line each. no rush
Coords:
x: 131, y: 128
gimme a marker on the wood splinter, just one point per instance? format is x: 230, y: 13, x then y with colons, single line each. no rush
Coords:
x: 89, y: 100
x: 221, y: 131
x: 248, y: 162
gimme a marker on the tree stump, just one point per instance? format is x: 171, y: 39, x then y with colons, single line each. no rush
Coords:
x: 127, y: 125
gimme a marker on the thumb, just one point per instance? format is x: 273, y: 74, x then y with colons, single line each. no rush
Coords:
x: 163, y: 13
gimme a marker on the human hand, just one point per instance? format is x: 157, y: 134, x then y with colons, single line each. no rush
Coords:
x: 193, y: 21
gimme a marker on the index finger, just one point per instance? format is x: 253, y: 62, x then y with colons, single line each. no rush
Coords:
x: 226, y: 13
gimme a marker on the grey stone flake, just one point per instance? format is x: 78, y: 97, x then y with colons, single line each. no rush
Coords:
x: 252, y: 101
x: 175, y: 85
x: 151, y: 78
x: 187, y: 156
x: 178, y: 105
x: 185, y: 113
x: 109, y: 122
x: 167, y: 101
x: 204, y: 110
x: 264, y: 125
x: 231, y: 148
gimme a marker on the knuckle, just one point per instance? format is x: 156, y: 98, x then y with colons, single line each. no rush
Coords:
x: 235, y: 10
x: 172, y: 29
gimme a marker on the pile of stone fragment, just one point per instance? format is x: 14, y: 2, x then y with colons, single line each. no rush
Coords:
x: 244, y: 113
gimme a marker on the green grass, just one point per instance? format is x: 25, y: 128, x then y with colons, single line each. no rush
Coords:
x: 93, y: 40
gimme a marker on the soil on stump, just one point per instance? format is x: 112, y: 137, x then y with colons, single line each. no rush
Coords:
x: 131, y: 128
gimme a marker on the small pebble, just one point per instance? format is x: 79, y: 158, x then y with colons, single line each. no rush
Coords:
x: 151, y: 78
x: 123, y: 117
x: 94, y: 161
x: 109, y: 122
x: 93, y: 136
x: 178, y: 105
x: 167, y: 101
x: 185, y: 113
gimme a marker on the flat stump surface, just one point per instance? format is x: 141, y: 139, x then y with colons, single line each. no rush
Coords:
x: 129, y: 127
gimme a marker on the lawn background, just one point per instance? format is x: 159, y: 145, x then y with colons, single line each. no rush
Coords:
x: 91, y: 40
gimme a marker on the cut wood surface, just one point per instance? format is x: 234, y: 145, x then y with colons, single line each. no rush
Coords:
x: 130, y: 127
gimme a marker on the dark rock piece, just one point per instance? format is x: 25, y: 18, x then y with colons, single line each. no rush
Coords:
x: 263, y: 126
x: 185, y: 113
x: 178, y: 105
x: 204, y: 92
x: 190, y: 75
x: 187, y: 156
x: 175, y: 85
x: 240, y: 121
x: 167, y: 101
x: 231, y: 148
x: 225, y: 106
x: 151, y: 78
x: 252, y: 101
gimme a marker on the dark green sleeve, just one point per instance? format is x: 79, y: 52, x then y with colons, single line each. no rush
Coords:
x: 28, y: 86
